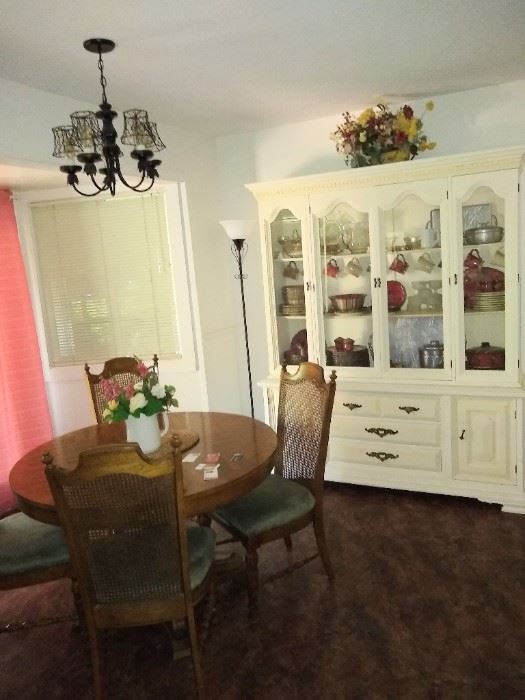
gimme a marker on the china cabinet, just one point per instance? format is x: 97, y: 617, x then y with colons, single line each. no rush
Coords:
x: 405, y: 279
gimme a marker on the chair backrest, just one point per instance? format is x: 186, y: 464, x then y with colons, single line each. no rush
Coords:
x: 303, y: 424
x: 123, y: 519
x: 123, y: 370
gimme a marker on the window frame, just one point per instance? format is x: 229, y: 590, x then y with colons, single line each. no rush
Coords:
x: 181, y: 258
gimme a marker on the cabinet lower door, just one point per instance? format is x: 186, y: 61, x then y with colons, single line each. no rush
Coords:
x: 485, y: 440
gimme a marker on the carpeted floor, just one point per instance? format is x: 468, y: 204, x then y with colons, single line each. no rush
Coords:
x: 429, y: 603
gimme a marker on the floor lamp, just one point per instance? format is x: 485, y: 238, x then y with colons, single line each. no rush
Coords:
x: 238, y: 230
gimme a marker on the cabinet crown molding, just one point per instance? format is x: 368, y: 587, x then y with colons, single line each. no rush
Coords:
x: 422, y: 169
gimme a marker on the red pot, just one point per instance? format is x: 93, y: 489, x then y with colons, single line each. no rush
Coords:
x: 486, y: 356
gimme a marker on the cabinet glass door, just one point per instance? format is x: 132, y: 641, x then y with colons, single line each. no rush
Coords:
x: 487, y: 275
x: 345, y: 274
x: 415, y: 269
x: 286, y: 233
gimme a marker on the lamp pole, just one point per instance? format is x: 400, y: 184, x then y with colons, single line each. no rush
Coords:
x: 238, y: 231
x: 239, y: 250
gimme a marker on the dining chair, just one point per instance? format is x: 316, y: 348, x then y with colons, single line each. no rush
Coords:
x: 136, y: 562
x: 122, y: 370
x: 31, y: 552
x: 292, y: 497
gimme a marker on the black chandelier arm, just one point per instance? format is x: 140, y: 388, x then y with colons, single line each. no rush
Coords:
x: 136, y: 187
x: 86, y: 194
x: 99, y: 188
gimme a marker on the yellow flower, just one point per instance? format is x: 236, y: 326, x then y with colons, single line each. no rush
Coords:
x: 395, y: 155
x: 429, y: 106
x: 113, y: 405
x: 362, y: 137
x: 363, y: 118
x: 407, y: 126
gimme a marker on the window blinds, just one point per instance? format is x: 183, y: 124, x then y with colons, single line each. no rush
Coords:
x: 106, y: 279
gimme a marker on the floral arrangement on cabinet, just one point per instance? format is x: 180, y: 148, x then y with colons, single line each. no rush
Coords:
x: 379, y: 135
x: 146, y: 396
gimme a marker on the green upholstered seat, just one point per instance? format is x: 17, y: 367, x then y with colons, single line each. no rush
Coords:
x: 201, y: 549
x: 28, y: 545
x: 273, y: 503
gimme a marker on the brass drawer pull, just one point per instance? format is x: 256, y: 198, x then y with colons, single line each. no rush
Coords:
x: 382, y: 431
x: 382, y: 456
x: 351, y: 406
x: 408, y: 409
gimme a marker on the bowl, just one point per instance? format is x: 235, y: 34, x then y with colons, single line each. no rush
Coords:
x: 345, y: 303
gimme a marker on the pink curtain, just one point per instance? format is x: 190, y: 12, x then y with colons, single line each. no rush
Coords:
x: 24, y: 413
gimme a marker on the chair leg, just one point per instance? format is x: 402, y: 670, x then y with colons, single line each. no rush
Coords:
x: 195, y: 654
x: 77, y: 600
x: 321, y: 545
x: 95, y: 635
x: 252, y: 575
x: 288, y: 542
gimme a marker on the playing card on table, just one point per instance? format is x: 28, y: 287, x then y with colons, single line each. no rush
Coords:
x: 212, y: 458
x: 210, y: 473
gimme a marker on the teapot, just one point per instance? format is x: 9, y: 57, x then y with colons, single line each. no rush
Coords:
x: 399, y: 264
x: 429, y: 236
x: 473, y: 261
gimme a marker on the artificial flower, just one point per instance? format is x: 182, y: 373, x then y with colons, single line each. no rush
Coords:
x: 145, y: 397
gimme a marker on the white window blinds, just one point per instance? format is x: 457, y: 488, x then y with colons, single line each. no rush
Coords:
x: 106, y: 279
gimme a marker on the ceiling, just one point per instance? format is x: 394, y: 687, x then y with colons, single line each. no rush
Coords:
x: 228, y: 66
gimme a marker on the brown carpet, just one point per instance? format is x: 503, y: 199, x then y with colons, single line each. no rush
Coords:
x: 429, y: 603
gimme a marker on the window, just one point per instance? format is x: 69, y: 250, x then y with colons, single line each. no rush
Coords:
x: 106, y: 279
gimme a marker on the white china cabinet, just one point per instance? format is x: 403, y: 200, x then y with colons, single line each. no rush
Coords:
x: 405, y: 279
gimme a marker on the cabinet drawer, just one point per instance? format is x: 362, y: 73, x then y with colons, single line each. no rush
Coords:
x: 351, y: 403
x: 379, y: 430
x: 415, y: 407
x: 385, y: 455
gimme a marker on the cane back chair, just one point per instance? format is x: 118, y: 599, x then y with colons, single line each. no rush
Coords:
x: 31, y: 552
x: 292, y: 497
x: 123, y: 370
x: 135, y: 561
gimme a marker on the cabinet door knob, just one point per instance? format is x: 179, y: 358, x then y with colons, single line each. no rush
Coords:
x: 351, y: 406
x: 408, y: 409
x: 382, y: 456
x: 382, y: 431
x: 462, y: 436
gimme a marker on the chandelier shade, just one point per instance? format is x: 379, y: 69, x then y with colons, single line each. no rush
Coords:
x: 91, y: 139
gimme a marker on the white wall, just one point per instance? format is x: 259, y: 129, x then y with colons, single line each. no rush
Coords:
x: 473, y: 120
x: 27, y: 115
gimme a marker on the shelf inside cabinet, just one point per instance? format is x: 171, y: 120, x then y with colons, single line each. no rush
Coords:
x: 348, y: 314
x: 281, y: 258
x: 414, y: 314
x: 291, y: 316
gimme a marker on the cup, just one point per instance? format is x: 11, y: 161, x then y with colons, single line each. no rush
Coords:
x: 428, y: 236
x: 291, y: 270
x: 498, y: 258
x: 473, y: 261
x: 425, y: 263
x: 344, y: 344
x: 354, y: 267
x: 332, y: 268
x: 399, y: 264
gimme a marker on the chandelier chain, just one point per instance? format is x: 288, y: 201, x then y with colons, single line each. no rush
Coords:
x: 103, y: 80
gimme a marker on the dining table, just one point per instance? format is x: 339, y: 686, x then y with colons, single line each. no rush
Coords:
x: 245, y: 446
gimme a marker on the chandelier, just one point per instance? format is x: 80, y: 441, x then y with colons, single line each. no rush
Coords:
x: 90, y: 141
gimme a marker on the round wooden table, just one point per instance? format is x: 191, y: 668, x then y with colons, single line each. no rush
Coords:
x: 226, y: 433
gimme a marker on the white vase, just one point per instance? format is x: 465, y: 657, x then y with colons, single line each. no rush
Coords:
x: 146, y: 431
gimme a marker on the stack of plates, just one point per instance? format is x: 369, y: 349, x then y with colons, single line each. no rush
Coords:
x: 292, y: 309
x: 488, y: 301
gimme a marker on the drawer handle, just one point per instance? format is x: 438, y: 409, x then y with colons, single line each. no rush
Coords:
x: 351, y: 406
x: 462, y: 436
x: 382, y: 431
x: 408, y: 409
x: 382, y: 456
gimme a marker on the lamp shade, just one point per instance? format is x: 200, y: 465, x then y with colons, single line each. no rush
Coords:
x: 239, y: 228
